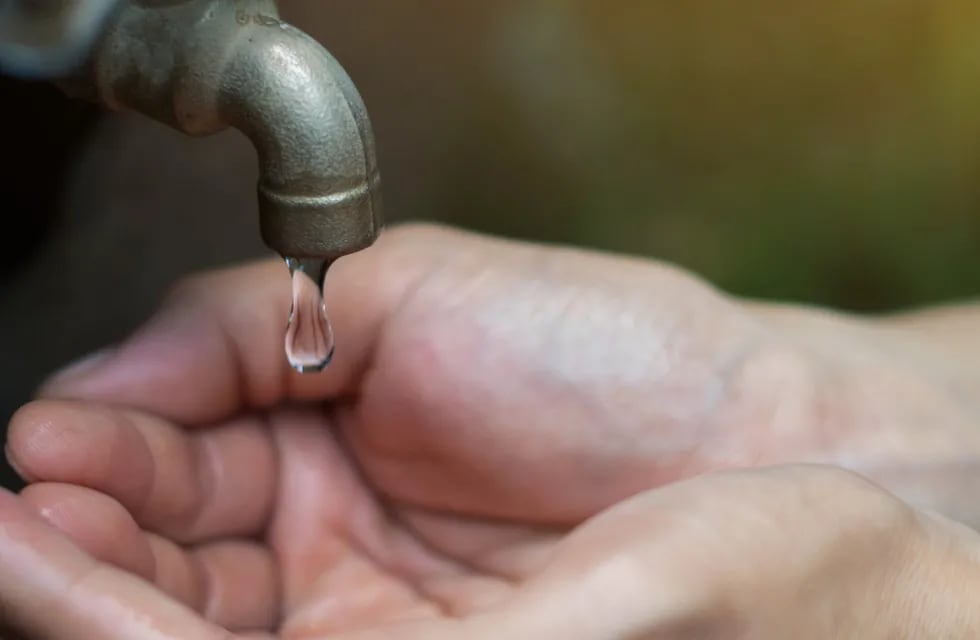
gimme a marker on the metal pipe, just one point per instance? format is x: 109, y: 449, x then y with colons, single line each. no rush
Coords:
x: 201, y: 66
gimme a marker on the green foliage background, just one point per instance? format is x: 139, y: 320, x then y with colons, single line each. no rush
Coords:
x: 818, y: 151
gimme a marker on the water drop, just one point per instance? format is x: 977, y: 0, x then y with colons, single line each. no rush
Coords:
x: 309, y: 337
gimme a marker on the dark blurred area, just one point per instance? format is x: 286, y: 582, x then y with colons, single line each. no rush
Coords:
x: 819, y: 152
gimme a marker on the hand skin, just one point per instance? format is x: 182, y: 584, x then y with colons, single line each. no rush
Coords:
x: 813, y: 553
x: 486, y: 399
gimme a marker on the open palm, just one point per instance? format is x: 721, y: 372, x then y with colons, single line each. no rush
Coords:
x: 486, y: 398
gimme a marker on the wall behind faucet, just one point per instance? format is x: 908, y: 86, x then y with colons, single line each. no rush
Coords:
x: 823, y: 152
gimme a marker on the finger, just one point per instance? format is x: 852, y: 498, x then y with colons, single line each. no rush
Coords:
x: 234, y: 584
x: 97, y: 523
x: 49, y: 588
x: 217, y: 343
x: 189, y: 486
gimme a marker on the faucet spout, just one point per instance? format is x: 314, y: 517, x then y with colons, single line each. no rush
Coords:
x: 201, y: 66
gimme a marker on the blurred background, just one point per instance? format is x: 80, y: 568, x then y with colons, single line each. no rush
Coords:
x: 818, y: 152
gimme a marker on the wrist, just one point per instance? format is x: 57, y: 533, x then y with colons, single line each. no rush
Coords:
x: 900, y: 415
x: 876, y: 399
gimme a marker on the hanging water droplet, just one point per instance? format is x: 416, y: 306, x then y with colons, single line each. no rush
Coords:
x: 309, y: 337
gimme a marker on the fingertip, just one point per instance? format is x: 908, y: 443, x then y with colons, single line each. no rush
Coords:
x: 98, y: 524
x: 33, y: 435
x: 39, y: 436
x: 78, y: 443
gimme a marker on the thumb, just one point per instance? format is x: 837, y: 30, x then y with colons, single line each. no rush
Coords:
x: 216, y: 344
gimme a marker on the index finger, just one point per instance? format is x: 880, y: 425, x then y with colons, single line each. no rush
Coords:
x: 216, y: 344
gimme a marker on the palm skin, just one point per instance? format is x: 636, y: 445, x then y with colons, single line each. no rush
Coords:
x: 486, y: 399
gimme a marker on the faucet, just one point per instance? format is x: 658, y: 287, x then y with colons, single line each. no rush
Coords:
x: 201, y: 66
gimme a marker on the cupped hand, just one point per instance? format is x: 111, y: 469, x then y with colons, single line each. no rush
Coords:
x: 486, y: 398
x: 788, y: 552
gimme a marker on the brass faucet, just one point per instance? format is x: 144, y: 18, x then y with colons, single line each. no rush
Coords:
x: 201, y: 66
